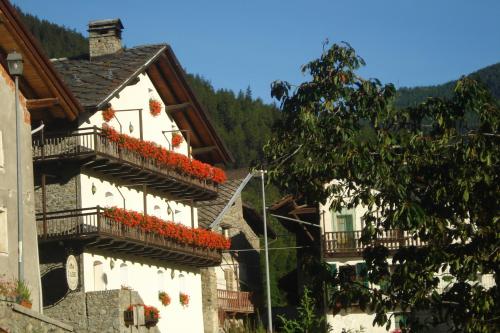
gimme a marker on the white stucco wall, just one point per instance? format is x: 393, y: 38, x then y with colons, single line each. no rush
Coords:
x: 108, y: 195
x: 146, y: 280
x: 355, y: 319
x: 136, y: 97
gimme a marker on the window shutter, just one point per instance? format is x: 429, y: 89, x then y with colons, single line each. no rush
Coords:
x: 332, y: 268
x: 362, y: 273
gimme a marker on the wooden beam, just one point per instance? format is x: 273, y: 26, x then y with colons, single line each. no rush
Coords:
x: 202, y: 150
x: 176, y: 107
x: 42, y: 103
x: 303, y: 210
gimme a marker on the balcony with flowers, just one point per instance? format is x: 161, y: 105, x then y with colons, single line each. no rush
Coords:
x: 131, y: 232
x: 126, y: 158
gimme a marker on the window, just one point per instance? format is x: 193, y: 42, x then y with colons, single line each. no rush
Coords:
x: 400, y: 320
x: 157, y: 211
x: 160, y: 280
x: 229, y: 277
x: 1, y: 153
x: 109, y: 199
x: 347, y: 273
x: 124, y: 275
x: 4, y: 237
x: 362, y: 273
x: 182, y: 283
x: 99, y: 277
x: 358, y: 273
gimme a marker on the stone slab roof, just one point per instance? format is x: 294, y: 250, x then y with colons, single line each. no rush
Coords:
x: 93, y: 81
x: 209, y: 210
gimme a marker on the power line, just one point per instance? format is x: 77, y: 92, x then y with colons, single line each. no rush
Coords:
x: 271, y: 248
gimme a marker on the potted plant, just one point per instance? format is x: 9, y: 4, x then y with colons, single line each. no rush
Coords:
x: 23, y: 294
x: 128, y: 315
x: 184, y: 299
x: 177, y: 139
x: 151, y: 315
x: 108, y: 114
x: 154, y: 107
x: 164, y: 298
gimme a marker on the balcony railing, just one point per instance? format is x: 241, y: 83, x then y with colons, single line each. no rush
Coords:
x: 347, y: 243
x: 235, y: 301
x: 90, y: 227
x: 91, y: 148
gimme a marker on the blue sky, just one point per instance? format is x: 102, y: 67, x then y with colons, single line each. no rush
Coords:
x: 236, y: 43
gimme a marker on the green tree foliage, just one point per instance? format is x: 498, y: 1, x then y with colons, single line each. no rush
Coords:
x: 426, y: 170
x: 308, y: 320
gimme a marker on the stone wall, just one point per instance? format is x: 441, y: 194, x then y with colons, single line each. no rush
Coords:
x: 98, y: 312
x: 209, y: 297
x: 60, y: 196
x: 17, y: 319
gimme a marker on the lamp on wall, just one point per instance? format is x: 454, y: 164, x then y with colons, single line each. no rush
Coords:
x: 94, y: 189
x: 15, y: 64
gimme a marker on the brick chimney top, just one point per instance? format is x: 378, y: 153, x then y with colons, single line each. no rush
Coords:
x: 105, y: 37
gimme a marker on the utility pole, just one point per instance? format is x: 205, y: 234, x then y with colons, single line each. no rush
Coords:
x: 15, y: 65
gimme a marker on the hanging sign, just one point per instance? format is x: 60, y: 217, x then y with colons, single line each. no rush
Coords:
x: 72, y: 272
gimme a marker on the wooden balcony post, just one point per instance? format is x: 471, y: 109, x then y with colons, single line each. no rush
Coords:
x: 95, y: 138
x: 44, y: 203
x: 98, y: 219
x: 141, y: 129
x: 42, y: 138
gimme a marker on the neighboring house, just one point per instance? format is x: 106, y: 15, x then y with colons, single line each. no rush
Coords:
x: 335, y: 240
x: 231, y: 291
x: 43, y: 97
x: 339, y: 245
x: 104, y: 194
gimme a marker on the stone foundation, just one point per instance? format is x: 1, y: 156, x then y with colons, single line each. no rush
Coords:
x: 98, y: 312
x: 17, y: 319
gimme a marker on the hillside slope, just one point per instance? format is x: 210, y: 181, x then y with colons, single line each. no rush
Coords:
x: 489, y: 76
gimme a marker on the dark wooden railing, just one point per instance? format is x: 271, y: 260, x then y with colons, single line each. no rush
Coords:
x: 91, y: 141
x: 345, y: 243
x: 235, y: 301
x: 82, y: 224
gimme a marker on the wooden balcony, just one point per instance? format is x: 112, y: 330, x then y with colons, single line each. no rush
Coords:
x: 90, y: 149
x: 347, y: 243
x: 89, y: 228
x: 235, y: 301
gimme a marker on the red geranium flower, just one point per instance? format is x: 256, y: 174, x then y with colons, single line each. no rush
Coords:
x: 108, y: 114
x: 165, y: 158
x: 176, y: 232
x: 154, y: 107
x: 177, y: 139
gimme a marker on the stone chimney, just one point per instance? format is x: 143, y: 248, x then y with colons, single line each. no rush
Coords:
x: 105, y: 37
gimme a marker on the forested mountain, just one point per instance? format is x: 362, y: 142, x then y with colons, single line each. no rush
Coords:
x: 56, y: 40
x: 489, y: 76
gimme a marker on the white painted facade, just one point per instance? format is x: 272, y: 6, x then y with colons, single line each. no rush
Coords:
x: 108, y: 272
x: 114, y: 270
